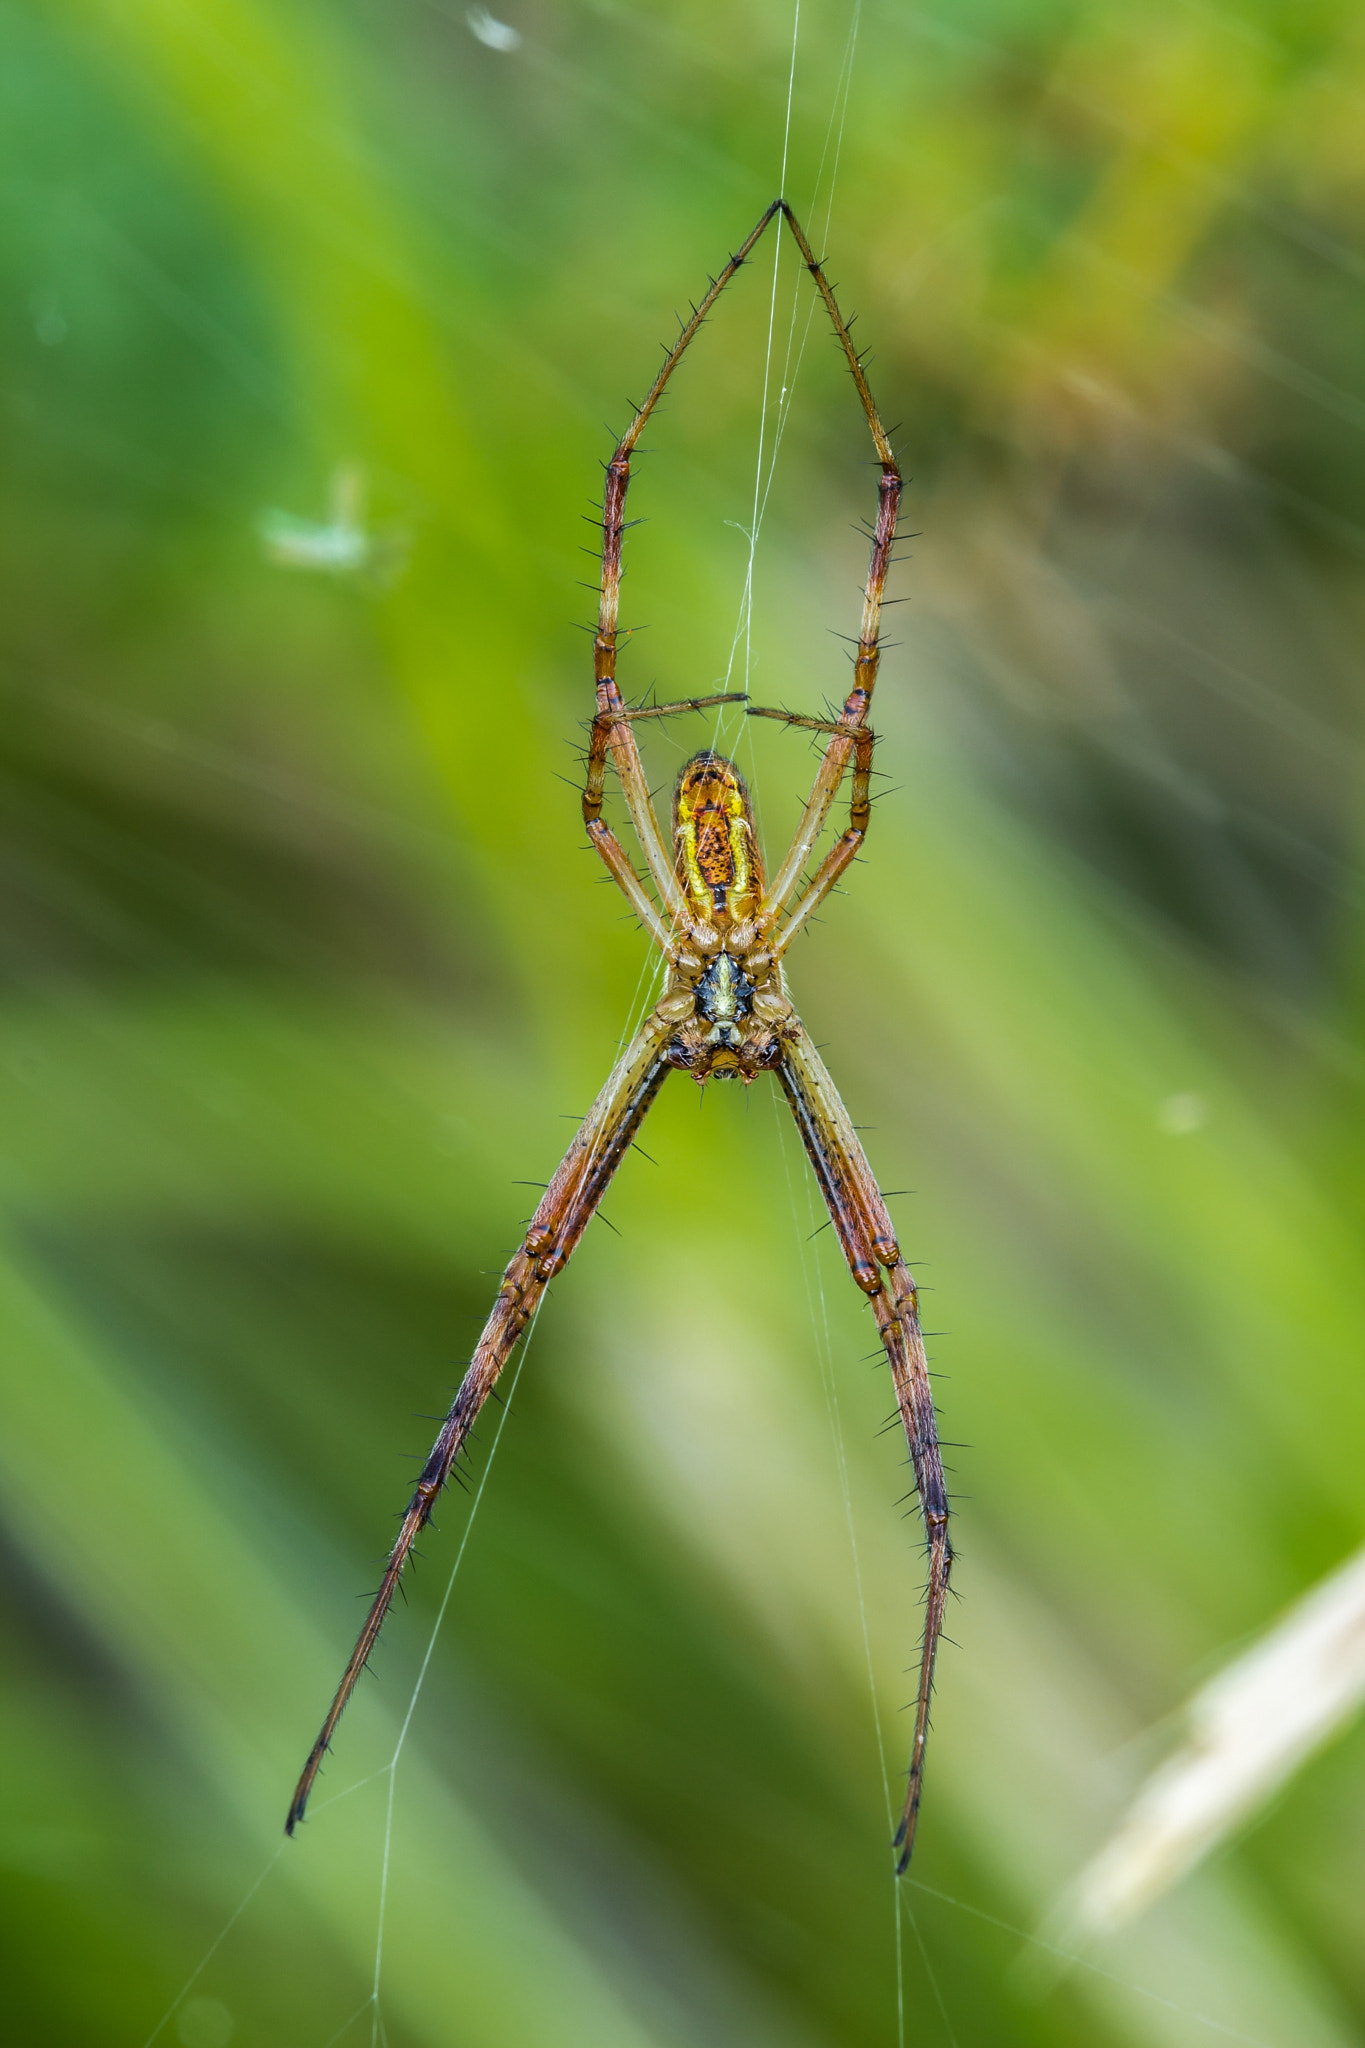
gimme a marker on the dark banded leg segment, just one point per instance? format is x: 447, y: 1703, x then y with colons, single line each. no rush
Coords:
x: 564, y: 1212
x: 868, y: 1241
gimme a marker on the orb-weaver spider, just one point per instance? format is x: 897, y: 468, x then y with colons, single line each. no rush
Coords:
x: 725, y: 1014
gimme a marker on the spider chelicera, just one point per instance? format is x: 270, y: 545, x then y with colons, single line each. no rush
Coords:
x: 725, y: 1015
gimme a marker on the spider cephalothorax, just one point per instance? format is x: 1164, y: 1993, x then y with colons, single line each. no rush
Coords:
x: 725, y: 1014
x: 729, y: 1016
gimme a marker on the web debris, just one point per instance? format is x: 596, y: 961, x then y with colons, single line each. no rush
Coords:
x: 342, y: 545
x: 492, y: 33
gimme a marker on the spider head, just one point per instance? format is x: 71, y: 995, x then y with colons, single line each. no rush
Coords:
x: 724, y: 1052
x: 719, y: 864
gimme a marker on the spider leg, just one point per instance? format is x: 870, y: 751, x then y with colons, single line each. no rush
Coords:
x: 600, y: 833
x: 845, y: 849
x: 618, y: 861
x: 843, y: 734
x: 622, y: 871
x: 611, y: 730
x: 684, y: 704
x: 869, y: 1244
x: 611, y: 734
x: 562, y: 1216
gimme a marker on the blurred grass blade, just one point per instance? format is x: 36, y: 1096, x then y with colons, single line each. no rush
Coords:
x: 1248, y: 1732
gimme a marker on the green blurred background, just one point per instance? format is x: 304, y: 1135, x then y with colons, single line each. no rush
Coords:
x: 304, y: 967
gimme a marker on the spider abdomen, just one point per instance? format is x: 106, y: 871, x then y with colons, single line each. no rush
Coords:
x: 718, y: 860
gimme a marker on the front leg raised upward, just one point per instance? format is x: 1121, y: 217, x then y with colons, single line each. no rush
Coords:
x: 563, y: 1215
x: 845, y: 849
x: 869, y: 1244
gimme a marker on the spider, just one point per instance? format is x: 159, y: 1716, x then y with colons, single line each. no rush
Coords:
x: 725, y: 1014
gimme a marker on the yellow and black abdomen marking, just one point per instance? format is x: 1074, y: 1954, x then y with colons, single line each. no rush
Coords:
x: 714, y: 853
x: 713, y: 829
